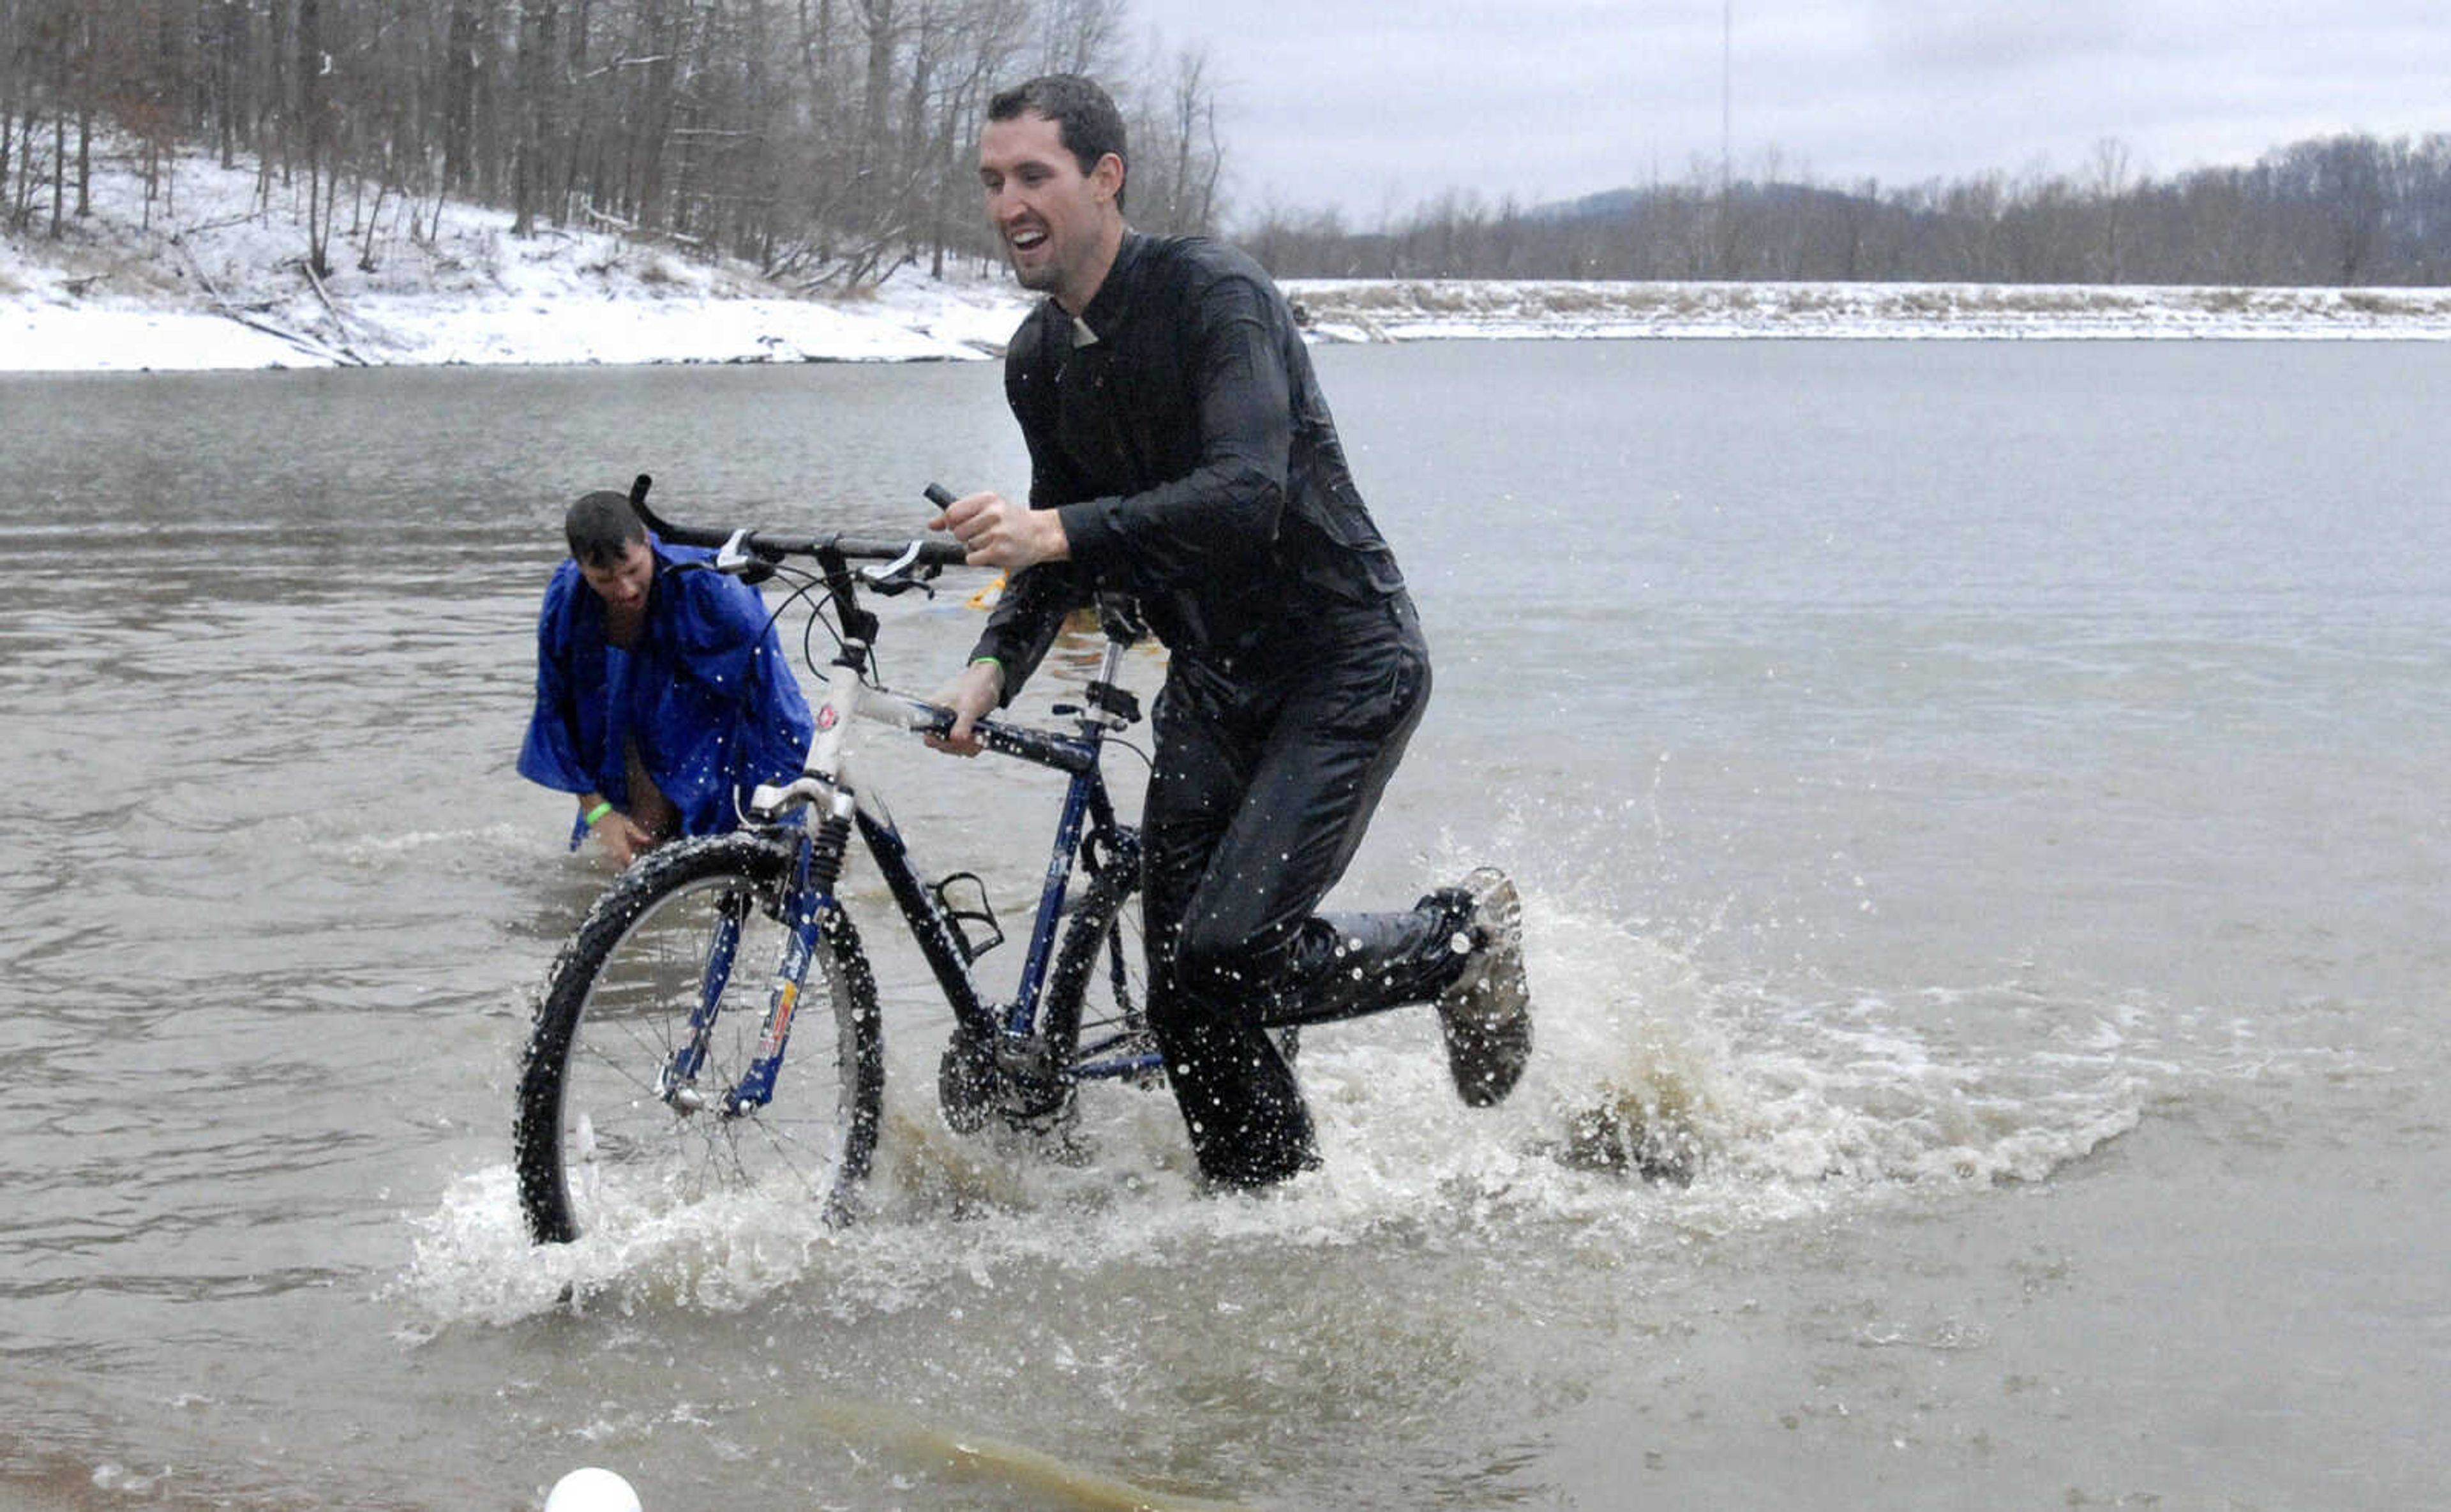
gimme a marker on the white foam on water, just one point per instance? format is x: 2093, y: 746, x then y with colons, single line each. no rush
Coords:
x: 1658, y: 1101
x: 489, y: 841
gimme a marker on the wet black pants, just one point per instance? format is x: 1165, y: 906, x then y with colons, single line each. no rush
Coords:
x: 1261, y: 788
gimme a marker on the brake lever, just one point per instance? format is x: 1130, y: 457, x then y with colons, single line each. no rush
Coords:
x: 895, y: 576
x: 735, y: 560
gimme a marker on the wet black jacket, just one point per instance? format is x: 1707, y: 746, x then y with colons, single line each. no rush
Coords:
x: 1180, y: 429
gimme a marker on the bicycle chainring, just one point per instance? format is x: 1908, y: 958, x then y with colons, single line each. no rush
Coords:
x: 966, y: 1084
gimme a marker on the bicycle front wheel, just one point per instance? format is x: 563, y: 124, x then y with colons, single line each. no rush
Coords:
x: 610, y: 1133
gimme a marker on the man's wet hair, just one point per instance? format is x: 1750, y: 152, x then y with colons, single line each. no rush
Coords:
x: 1086, y: 119
x: 601, y: 528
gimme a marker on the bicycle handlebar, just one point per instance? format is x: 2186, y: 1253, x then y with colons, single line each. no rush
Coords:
x: 771, y: 548
x: 1047, y: 747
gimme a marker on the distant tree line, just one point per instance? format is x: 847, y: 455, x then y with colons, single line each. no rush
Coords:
x: 827, y: 141
x: 2339, y: 211
x: 823, y: 140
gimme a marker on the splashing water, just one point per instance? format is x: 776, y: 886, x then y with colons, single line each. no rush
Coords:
x: 1654, y: 1095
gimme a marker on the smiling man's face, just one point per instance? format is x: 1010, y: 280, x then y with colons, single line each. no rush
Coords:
x: 1059, y: 225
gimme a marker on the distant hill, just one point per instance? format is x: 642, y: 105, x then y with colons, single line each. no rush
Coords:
x: 1618, y: 205
x: 2343, y: 211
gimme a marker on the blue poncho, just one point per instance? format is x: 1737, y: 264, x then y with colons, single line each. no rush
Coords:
x: 706, y: 693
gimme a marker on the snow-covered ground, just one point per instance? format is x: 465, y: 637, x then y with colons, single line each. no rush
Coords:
x: 212, y: 275
x: 1407, y: 310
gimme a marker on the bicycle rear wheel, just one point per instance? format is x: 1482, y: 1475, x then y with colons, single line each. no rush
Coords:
x: 599, y: 1142
x: 1097, y: 995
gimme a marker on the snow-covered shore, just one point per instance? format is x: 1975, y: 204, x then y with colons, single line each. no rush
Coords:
x: 211, y: 275
x: 1402, y: 310
x: 901, y: 324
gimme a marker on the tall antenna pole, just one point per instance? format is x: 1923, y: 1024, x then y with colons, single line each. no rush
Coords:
x: 1727, y: 35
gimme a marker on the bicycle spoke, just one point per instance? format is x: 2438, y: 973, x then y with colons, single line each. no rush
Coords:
x: 599, y: 1142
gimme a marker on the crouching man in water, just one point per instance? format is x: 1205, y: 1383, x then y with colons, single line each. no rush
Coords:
x: 662, y: 695
x: 1181, y: 451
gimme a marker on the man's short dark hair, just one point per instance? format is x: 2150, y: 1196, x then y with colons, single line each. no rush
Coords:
x: 1086, y: 119
x: 601, y: 528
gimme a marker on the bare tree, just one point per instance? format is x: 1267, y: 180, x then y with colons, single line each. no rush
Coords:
x: 830, y: 140
x: 1198, y: 157
x: 1081, y: 36
x: 2108, y: 182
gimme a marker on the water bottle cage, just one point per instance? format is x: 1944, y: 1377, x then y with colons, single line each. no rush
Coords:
x: 968, y: 910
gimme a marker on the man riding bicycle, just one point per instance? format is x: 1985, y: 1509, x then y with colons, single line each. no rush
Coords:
x: 1181, y: 451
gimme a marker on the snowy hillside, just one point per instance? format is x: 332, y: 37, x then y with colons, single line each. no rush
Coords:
x: 213, y: 274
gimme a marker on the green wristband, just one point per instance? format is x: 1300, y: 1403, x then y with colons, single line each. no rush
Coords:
x: 597, y: 813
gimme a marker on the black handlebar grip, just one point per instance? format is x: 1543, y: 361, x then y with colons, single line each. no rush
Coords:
x: 939, y: 494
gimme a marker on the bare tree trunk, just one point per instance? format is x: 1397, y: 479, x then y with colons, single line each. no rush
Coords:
x: 22, y: 211
x: 86, y: 86
x: 875, y: 127
x: 1178, y: 182
x: 2109, y: 185
x: 576, y: 119
x: 59, y: 168
x: 315, y: 126
x: 459, y: 95
x: 273, y: 100
x: 229, y: 44
x: 367, y: 250
x: 649, y: 141
x: 1082, y: 35
x: 538, y: 24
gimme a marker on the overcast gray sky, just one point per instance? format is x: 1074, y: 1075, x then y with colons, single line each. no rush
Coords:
x: 1377, y: 108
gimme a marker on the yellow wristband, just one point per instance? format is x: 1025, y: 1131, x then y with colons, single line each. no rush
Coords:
x: 597, y: 813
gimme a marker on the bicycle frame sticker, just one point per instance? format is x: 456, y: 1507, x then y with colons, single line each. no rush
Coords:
x: 779, y: 1023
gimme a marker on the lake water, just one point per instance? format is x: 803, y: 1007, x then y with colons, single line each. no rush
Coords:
x: 1982, y: 813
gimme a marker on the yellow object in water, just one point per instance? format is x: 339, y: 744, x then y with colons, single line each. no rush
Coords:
x: 1029, y: 1475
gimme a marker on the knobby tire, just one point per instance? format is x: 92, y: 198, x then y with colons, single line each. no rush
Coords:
x: 594, y: 1142
x: 1085, y: 998
x: 1099, y: 985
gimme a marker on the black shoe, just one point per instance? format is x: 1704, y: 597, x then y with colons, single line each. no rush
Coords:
x: 1486, y: 1012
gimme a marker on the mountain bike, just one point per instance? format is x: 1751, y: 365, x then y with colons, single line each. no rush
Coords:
x: 654, y: 1074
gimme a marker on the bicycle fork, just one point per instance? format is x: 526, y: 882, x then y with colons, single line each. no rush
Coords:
x: 818, y: 865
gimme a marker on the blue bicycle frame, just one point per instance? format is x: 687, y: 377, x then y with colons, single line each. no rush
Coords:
x: 828, y: 797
